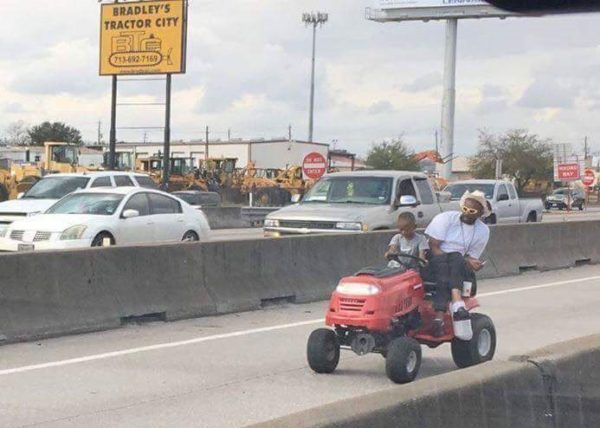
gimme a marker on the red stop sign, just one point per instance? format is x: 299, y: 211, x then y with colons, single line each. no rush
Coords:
x: 314, y: 165
x: 589, y: 177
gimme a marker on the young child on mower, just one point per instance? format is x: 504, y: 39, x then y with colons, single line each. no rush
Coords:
x: 408, y: 241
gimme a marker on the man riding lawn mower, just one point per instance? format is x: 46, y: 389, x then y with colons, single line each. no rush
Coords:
x: 394, y: 309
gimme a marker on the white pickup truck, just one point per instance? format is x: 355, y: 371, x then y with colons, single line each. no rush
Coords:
x: 507, y: 206
x: 358, y: 201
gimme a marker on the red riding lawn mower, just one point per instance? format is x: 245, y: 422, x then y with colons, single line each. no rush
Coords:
x: 389, y: 311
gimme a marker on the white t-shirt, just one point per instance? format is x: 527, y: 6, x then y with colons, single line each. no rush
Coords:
x: 458, y: 237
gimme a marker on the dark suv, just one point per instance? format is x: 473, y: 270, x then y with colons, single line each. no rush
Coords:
x: 565, y: 197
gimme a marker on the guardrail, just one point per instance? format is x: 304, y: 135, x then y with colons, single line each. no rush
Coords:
x: 52, y: 293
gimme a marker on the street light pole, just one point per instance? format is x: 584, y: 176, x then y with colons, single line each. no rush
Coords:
x: 313, y: 19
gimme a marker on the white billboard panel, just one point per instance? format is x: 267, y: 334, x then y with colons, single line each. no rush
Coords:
x: 413, y: 4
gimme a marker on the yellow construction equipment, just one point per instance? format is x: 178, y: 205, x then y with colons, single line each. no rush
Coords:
x: 182, y: 175
x: 59, y: 157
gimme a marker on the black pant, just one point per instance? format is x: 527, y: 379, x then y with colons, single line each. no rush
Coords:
x: 449, y: 271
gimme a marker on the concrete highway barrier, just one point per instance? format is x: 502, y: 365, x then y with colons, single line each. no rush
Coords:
x: 555, y: 387
x: 54, y: 293
x: 225, y: 217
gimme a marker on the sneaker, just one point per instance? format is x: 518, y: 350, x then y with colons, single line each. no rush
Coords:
x: 437, y: 327
x: 461, y: 314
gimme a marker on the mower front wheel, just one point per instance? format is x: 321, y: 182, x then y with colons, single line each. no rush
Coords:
x: 403, y: 360
x: 323, y: 350
x: 480, y: 348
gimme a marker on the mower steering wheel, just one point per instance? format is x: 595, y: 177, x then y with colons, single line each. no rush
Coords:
x: 396, y: 257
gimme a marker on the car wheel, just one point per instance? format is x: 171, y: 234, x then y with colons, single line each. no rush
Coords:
x: 491, y: 219
x: 99, y: 240
x: 190, y: 236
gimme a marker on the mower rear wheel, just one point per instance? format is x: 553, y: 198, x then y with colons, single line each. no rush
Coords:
x: 403, y: 360
x: 480, y: 348
x: 323, y: 350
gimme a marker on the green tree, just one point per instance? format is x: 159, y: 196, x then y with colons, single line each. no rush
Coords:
x: 392, y: 155
x: 56, y: 131
x: 525, y: 157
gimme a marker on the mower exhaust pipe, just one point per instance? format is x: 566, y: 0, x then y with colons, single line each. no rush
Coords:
x: 363, y: 343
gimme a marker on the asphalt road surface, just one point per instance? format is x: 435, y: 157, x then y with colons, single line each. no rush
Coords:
x: 233, y: 370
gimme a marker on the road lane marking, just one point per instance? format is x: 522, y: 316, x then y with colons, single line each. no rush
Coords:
x: 196, y: 340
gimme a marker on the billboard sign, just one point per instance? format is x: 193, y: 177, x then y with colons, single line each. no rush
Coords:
x: 145, y: 37
x: 408, y: 10
x: 403, y: 4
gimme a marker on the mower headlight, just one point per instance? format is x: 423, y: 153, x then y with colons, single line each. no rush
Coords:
x: 348, y: 226
x: 357, y: 289
x: 73, y: 232
x: 269, y: 222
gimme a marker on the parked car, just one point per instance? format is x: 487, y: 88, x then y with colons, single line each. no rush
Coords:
x: 507, y: 206
x: 357, y: 201
x: 199, y: 199
x: 107, y: 216
x: 43, y: 194
x: 566, y: 198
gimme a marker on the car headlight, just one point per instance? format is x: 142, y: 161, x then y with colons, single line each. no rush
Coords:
x: 357, y: 289
x: 269, y: 222
x: 348, y: 226
x: 73, y: 232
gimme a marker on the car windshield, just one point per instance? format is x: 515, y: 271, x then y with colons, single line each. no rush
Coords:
x: 457, y: 190
x: 357, y: 190
x: 87, y: 203
x: 561, y: 191
x: 55, y: 187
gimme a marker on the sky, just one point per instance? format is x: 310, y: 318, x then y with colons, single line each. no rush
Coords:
x: 248, y: 73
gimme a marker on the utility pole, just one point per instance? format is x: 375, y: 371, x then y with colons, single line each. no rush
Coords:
x: 228, y: 134
x: 585, y: 148
x: 313, y: 19
x: 290, y: 132
x: 99, y: 132
x: 437, y: 146
x: 206, y: 144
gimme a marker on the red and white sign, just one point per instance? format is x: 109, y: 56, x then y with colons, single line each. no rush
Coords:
x: 314, y: 165
x: 589, y: 177
x: 568, y: 172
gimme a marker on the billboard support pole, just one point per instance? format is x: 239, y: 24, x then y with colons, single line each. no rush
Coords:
x: 167, y: 143
x: 113, y: 125
x: 448, y: 100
